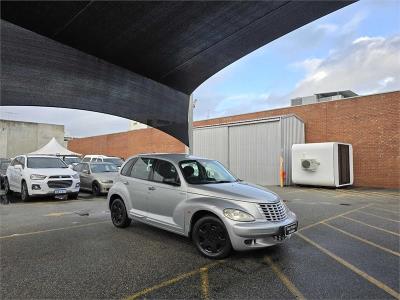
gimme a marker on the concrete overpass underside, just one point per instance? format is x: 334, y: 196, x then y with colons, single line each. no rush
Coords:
x: 137, y: 60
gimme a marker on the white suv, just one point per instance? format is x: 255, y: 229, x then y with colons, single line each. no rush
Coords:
x: 33, y: 175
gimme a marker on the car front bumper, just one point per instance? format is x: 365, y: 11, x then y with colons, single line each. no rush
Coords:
x: 105, y: 187
x: 41, y: 188
x: 258, y: 234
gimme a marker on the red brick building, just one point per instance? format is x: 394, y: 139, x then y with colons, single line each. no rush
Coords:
x: 370, y: 123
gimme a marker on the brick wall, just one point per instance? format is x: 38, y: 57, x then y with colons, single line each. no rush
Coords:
x: 370, y: 123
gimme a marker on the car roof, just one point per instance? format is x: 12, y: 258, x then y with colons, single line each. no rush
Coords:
x: 42, y: 156
x: 175, y: 157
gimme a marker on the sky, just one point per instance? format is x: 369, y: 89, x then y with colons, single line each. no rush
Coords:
x: 356, y: 48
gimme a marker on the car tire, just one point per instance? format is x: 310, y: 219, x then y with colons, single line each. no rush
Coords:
x: 95, y: 189
x: 24, y: 192
x: 7, y: 187
x: 73, y: 196
x: 211, y: 238
x: 119, y: 215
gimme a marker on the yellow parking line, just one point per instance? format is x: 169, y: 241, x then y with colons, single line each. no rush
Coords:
x: 170, y: 281
x: 334, y: 217
x: 371, y: 214
x: 377, y: 228
x: 204, y: 283
x: 50, y: 230
x: 362, y: 240
x: 282, y: 277
x: 59, y: 214
x: 353, y: 268
x: 383, y: 209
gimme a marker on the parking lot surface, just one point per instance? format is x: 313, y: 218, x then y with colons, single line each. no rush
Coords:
x: 347, y: 247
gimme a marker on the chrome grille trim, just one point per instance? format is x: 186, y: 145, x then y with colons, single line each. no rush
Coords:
x: 273, y: 212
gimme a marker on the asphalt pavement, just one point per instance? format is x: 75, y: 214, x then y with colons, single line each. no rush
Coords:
x: 347, y: 247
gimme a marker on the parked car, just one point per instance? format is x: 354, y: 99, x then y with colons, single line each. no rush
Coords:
x: 97, y: 177
x: 34, y: 175
x: 199, y: 198
x: 4, y: 163
x: 102, y: 158
x: 71, y: 160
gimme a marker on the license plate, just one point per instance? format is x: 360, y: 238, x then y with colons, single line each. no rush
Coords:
x: 289, y: 229
x: 60, y: 191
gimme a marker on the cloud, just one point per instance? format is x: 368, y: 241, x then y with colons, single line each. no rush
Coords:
x: 368, y: 64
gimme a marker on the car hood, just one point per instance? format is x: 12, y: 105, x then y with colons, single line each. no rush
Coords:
x: 240, y: 191
x: 105, y: 176
x: 52, y: 171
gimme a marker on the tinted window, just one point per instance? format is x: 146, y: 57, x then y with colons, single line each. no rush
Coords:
x: 142, y: 168
x: 45, y: 162
x: 126, y: 170
x: 21, y: 161
x: 203, y: 171
x: 165, y: 172
x: 103, y: 168
x: 86, y: 159
x: 99, y: 159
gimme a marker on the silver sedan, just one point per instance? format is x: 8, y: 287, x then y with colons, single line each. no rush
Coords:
x: 199, y: 198
x: 96, y: 177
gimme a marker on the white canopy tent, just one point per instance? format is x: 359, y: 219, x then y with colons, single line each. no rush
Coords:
x: 54, y: 148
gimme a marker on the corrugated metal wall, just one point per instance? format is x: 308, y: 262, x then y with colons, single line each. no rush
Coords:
x: 252, y: 149
x: 292, y: 130
x: 212, y: 142
x: 252, y: 152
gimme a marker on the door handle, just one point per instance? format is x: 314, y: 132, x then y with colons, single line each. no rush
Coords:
x: 125, y: 182
x: 151, y: 188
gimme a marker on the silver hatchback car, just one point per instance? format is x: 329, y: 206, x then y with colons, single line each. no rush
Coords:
x: 199, y: 198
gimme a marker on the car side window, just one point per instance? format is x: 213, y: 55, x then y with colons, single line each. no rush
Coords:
x: 22, y: 161
x: 85, y: 167
x: 86, y: 159
x: 14, y: 162
x: 99, y: 159
x: 142, y: 168
x: 126, y: 170
x: 78, y: 168
x: 165, y: 172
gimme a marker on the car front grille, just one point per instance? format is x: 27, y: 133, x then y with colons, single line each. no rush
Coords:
x: 60, y: 176
x: 274, y: 212
x: 56, y: 184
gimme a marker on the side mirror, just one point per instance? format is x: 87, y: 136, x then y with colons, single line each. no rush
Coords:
x: 86, y: 172
x: 18, y: 167
x: 71, y: 167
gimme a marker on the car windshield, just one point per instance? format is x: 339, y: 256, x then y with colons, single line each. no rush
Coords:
x: 102, y: 168
x: 204, y: 171
x: 45, y: 162
x: 116, y: 161
x: 71, y: 160
x: 4, y: 165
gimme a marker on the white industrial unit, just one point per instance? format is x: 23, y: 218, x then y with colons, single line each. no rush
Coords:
x: 252, y: 149
x: 322, y: 164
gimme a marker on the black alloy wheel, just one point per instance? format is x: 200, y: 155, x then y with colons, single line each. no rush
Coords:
x: 119, y: 215
x: 95, y: 189
x: 24, y: 192
x: 211, y: 238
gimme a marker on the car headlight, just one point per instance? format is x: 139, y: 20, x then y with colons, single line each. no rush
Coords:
x: 238, y: 215
x: 75, y: 176
x: 106, y: 181
x: 38, y: 177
